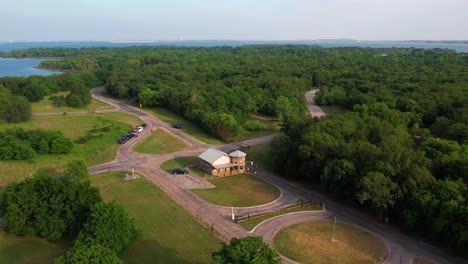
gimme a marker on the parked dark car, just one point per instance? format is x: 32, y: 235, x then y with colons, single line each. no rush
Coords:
x: 143, y: 125
x: 180, y: 171
x: 178, y: 126
x: 123, y: 139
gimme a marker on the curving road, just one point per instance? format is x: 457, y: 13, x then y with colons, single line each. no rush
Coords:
x: 401, y: 248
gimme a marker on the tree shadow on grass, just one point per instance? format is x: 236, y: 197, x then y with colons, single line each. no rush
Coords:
x: 151, y: 251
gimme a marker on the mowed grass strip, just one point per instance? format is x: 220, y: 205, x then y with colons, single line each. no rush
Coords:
x: 188, y: 127
x: 170, y: 234
x: 260, y: 155
x: 179, y: 162
x: 311, y: 243
x: 160, y: 142
x: 94, y: 137
x: 241, y: 190
x: 29, y: 250
x: 253, y: 222
x: 46, y: 105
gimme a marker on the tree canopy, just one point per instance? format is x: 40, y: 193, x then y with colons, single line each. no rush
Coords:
x: 46, y: 206
x: 248, y: 250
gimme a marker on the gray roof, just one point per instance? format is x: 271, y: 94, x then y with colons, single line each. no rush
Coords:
x: 211, y: 155
x: 237, y: 154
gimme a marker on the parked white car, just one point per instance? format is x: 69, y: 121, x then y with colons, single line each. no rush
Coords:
x: 139, y: 129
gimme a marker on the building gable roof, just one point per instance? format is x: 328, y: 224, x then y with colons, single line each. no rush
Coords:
x: 211, y: 155
x: 237, y: 154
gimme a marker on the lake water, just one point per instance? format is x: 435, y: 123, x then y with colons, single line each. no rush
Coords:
x: 25, y: 67
x: 22, y: 67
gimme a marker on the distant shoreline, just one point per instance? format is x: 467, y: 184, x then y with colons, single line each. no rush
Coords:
x: 460, y: 46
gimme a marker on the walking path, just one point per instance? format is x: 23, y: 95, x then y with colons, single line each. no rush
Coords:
x: 402, y: 248
x: 314, y: 109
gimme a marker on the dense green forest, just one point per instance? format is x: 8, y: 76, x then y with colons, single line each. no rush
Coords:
x: 55, y: 207
x: 399, y: 147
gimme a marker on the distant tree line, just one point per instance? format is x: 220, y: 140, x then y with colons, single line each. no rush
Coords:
x: 17, y: 93
x: 51, y: 207
x: 20, y: 144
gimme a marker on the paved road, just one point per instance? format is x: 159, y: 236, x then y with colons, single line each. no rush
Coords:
x: 401, y: 249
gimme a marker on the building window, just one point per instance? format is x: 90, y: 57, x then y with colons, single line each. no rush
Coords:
x: 241, y: 167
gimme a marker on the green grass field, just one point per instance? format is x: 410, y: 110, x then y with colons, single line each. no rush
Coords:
x: 240, y: 191
x: 170, y: 234
x: 197, y: 171
x: 183, y: 162
x: 97, y: 133
x: 160, y: 142
x: 26, y: 250
x: 311, y: 243
x: 46, y: 105
x: 253, y: 222
x: 260, y: 155
x: 188, y: 127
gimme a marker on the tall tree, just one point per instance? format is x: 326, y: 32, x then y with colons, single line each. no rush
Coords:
x: 110, y: 226
x: 248, y: 250
x: 380, y: 190
x: 89, y: 254
x: 77, y: 171
x: 19, y: 109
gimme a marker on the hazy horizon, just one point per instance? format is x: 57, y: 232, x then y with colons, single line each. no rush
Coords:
x: 242, y: 20
x: 239, y: 40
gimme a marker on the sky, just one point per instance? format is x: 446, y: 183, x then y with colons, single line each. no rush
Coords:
x: 113, y: 20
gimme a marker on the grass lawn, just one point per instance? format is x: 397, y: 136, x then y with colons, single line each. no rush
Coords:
x: 240, y: 191
x: 27, y: 250
x: 311, y: 243
x: 180, y: 162
x: 160, y: 142
x: 95, y: 137
x: 251, y: 223
x: 260, y: 154
x: 46, y: 105
x: 246, y: 134
x: 271, y: 127
x: 188, y: 127
x: 170, y: 234
x: 198, y: 171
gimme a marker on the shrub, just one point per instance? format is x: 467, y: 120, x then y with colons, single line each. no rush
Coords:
x: 20, y: 144
x: 47, y: 206
x: 254, y: 125
x: 19, y: 108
